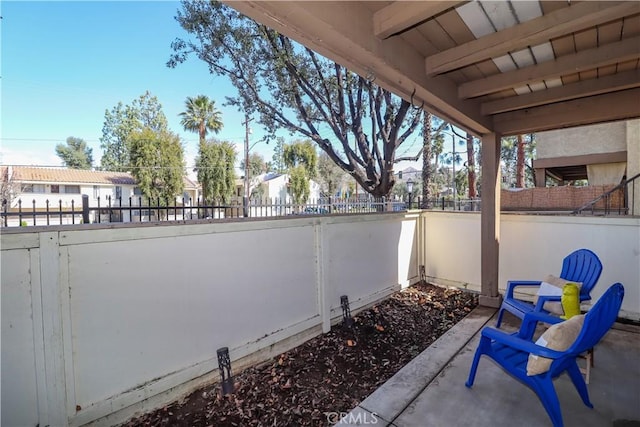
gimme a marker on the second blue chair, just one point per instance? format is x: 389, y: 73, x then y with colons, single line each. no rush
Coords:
x: 512, y: 352
x: 582, y: 266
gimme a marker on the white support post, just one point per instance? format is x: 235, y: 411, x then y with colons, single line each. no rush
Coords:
x: 324, y: 305
x: 38, y: 336
x: 55, y: 386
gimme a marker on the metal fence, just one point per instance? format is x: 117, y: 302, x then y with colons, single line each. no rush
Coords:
x: 449, y: 204
x: 140, y: 209
x: 619, y: 199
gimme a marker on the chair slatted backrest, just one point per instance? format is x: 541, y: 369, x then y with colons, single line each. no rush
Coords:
x: 599, y: 319
x: 582, y: 266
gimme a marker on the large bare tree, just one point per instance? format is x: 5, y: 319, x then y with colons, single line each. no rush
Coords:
x: 432, y: 140
x: 357, y: 123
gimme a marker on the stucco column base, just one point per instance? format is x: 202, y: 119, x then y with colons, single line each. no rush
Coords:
x: 493, y: 302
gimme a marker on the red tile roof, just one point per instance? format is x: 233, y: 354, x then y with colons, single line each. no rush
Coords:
x: 76, y: 176
x: 35, y: 174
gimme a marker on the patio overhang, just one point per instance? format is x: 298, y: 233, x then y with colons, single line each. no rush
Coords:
x: 491, y: 68
x: 506, y: 67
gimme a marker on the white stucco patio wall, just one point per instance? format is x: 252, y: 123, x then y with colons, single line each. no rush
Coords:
x: 102, y: 319
x: 532, y: 247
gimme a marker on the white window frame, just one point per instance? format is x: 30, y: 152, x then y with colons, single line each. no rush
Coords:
x: 72, y: 187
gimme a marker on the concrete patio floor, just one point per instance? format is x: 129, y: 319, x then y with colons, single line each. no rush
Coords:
x: 430, y: 390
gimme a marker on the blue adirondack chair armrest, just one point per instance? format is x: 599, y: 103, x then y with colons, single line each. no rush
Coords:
x: 530, y: 321
x: 512, y: 284
x: 556, y: 298
x: 542, y: 299
x: 520, y: 344
x: 539, y: 316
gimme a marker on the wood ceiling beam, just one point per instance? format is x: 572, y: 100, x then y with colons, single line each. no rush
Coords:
x: 621, y: 105
x: 585, y: 60
x: 582, y: 159
x: 553, y: 175
x: 531, y: 33
x: 401, y: 15
x: 624, y: 80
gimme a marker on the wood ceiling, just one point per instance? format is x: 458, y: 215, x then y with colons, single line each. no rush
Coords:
x: 488, y: 66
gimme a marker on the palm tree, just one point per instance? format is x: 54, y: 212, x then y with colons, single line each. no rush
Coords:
x: 201, y: 116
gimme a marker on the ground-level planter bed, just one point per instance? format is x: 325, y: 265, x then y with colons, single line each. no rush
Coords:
x: 329, y: 374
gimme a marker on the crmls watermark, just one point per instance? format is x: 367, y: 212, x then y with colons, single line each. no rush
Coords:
x: 360, y: 418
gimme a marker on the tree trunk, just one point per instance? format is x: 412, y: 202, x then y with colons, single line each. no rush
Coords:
x: 471, y: 167
x: 427, y: 171
x: 202, y: 132
x: 520, y: 164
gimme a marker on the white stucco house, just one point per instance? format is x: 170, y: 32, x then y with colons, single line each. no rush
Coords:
x: 276, y: 186
x: 61, y: 188
x: 66, y: 185
x: 271, y: 195
x: 407, y: 174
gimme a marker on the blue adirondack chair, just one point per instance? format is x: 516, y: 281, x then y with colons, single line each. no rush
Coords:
x: 581, y: 265
x: 511, y: 352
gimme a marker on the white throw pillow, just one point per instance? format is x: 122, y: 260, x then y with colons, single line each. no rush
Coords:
x: 552, y: 286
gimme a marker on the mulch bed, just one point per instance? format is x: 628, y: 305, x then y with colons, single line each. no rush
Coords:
x: 331, y: 373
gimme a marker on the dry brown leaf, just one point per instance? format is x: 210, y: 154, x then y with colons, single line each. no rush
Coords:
x: 321, y: 369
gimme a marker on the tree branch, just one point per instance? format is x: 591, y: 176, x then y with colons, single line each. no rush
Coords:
x: 318, y: 69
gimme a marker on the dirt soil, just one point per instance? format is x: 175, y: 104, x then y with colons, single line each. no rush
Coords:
x: 329, y: 374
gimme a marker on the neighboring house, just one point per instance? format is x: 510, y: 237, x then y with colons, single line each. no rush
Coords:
x: 409, y: 173
x: 602, y: 154
x: 192, y: 191
x: 274, y: 196
x: 276, y: 187
x: 64, y: 188
x: 67, y: 185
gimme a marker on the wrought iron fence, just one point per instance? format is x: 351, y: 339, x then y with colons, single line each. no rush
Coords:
x: 623, y: 196
x: 139, y: 209
x: 448, y: 203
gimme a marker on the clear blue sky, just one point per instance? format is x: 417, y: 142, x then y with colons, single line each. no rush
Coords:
x: 65, y: 63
